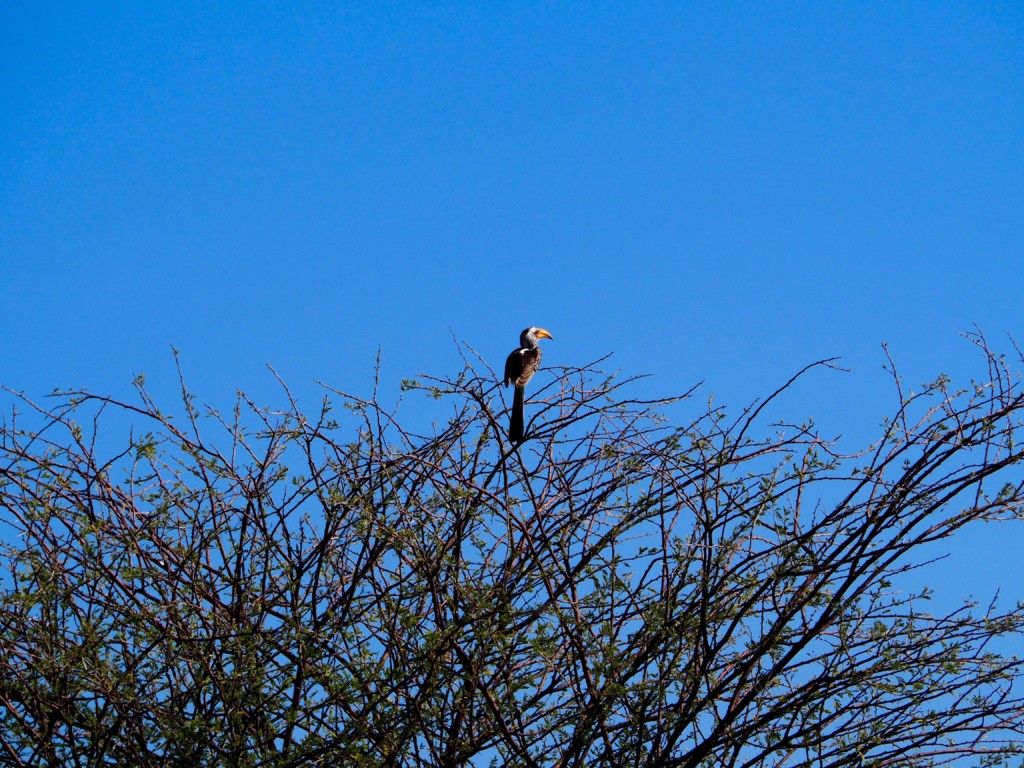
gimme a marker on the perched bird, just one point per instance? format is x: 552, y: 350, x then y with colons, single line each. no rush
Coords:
x: 520, y: 366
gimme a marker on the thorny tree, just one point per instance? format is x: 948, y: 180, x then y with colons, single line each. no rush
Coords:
x: 267, y: 588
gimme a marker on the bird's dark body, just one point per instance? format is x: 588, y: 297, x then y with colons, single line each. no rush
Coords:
x: 520, y: 366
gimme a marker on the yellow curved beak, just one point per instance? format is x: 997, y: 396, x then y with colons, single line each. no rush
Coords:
x: 542, y: 334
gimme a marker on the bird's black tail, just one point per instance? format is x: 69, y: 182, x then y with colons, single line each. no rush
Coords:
x: 515, y: 422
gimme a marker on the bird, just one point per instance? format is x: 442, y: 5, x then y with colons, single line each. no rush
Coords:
x: 520, y: 366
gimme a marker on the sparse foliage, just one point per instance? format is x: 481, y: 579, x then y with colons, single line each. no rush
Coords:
x: 267, y: 588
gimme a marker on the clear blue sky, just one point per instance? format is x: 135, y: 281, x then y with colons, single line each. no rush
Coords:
x: 712, y: 191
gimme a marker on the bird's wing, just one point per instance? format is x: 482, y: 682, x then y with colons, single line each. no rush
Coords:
x: 513, y: 366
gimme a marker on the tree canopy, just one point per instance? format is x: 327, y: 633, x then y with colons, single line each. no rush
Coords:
x: 641, y: 583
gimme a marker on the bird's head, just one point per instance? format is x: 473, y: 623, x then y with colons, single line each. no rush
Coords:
x: 532, y: 334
